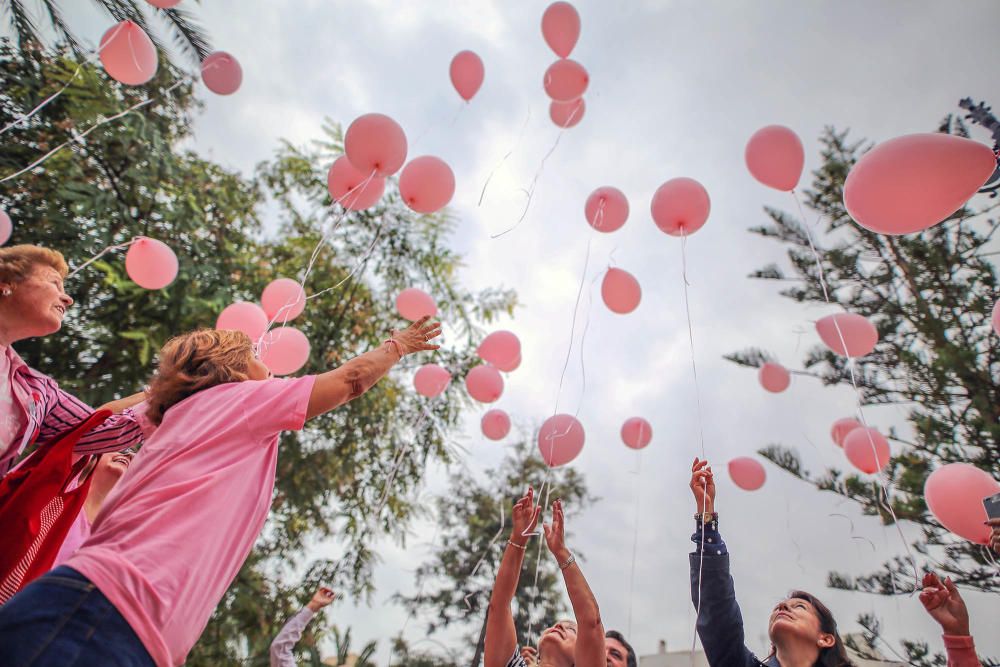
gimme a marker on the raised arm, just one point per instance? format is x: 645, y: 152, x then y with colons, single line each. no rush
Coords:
x: 284, y: 643
x: 334, y: 388
x: 945, y: 605
x: 120, y: 405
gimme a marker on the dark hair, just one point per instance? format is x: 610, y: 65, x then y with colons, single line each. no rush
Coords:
x: 620, y: 638
x: 833, y: 656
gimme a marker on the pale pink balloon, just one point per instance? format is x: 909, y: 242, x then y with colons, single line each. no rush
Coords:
x: 620, y: 291
x: 164, y: 4
x: 954, y: 495
x: 484, y: 383
x: 567, y: 114
x: 243, y: 316
x: 510, y: 367
x: 413, y: 304
x: 910, y: 183
x: 7, y: 228
x: 375, y: 143
x: 284, y: 350
x: 427, y: 184
x: 431, y: 380
x: 495, y: 424
x: 996, y: 306
x: 636, y: 433
x: 467, y: 74
x: 128, y: 54
x: 775, y: 157
x: 774, y: 377
x: 150, y: 263
x: 566, y: 80
x: 283, y: 300
x: 500, y: 349
x: 352, y: 189
x: 221, y: 73
x: 606, y: 209
x: 841, y: 428
x: 747, y: 473
x: 561, y: 28
x: 560, y: 439
x: 680, y: 206
x: 850, y: 329
x: 867, y: 450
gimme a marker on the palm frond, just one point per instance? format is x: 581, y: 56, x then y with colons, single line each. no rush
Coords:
x: 189, y: 36
x: 24, y: 27
x: 60, y: 25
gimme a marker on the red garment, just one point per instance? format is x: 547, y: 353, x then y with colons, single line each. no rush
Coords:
x: 961, y: 651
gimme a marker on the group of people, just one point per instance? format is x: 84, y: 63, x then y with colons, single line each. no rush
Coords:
x: 112, y: 557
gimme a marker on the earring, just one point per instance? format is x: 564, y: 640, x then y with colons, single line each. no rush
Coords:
x: 6, y: 292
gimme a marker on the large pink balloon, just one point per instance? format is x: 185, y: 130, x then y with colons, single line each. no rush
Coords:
x: 510, y: 366
x: 467, y: 74
x: 680, y: 206
x: 243, y: 316
x: 867, y: 450
x: 567, y: 114
x: 560, y: 439
x: 426, y: 184
x: 413, y: 304
x: 284, y: 350
x: 775, y: 156
x: 431, y: 380
x: 566, y: 80
x: 996, y: 307
x: 164, y: 4
x: 375, y: 143
x: 606, y: 209
x: 500, y: 348
x: 7, y: 228
x: 620, y: 291
x: 561, y: 28
x: 747, y: 473
x: 841, y: 428
x: 954, y: 495
x: 850, y: 329
x: 150, y: 263
x: 352, y: 189
x: 774, y: 377
x: 221, y: 73
x: 910, y: 183
x: 484, y: 383
x: 128, y: 54
x: 495, y: 424
x: 636, y: 433
x: 283, y: 300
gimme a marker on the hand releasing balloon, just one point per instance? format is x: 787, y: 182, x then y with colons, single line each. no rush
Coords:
x: 351, y: 188
x: 561, y: 28
x: 560, y: 439
x: 680, y: 206
x: 702, y: 486
x: 128, y: 54
x: 620, y: 291
x: 151, y: 263
x: 567, y: 114
x: 467, y: 74
x: 221, y: 73
x: 495, y: 424
x: 426, y: 184
x: 774, y: 377
x: 243, y: 316
x: 954, y: 495
x: 847, y: 334
x: 606, y: 209
x: 636, y: 433
x: 945, y: 605
x: 375, y: 143
x: 775, y: 156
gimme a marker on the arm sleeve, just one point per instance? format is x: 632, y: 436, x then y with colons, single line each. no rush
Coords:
x: 516, y: 660
x: 64, y: 411
x: 278, y: 404
x: 961, y: 651
x: 288, y: 637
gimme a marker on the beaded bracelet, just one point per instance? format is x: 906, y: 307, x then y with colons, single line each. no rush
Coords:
x: 516, y: 545
x: 394, y: 342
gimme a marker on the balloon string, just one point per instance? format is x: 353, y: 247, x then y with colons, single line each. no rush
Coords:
x: 101, y: 254
x: 524, y: 125
x: 635, y: 533
x: 572, y: 329
x: 486, y: 553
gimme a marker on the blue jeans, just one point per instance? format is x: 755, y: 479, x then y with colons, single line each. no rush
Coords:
x: 61, y: 619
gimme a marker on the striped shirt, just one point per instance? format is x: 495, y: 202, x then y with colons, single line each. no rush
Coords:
x: 516, y: 660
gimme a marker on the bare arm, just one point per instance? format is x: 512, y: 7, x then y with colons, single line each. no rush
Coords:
x: 119, y: 405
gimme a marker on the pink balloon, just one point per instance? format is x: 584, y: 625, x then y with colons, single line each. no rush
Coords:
x: 774, y: 377
x: 500, y: 349
x: 606, y: 209
x: 413, y: 304
x: 680, y: 206
x: 284, y: 350
x: 243, y: 316
x: 775, y: 156
x: 467, y: 74
x: 561, y: 28
x: 150, y: 263
x: 484, y: 383
x: 283, y: 300
x: 431, y: 380
x: 841, y: 428
x: 859, y: 335
x: 352, y: 189
x: 636, y: 433
x: 495, y: 424
x: 560, y: 439
x: 510, y: 367
x: 910, y: 183
x: 566, y: 80
x: 426, y: 184
x: 7, y: 228
x: 128, y: 54
x: 620, y: 291
x: 221, y: 73
x: 164, y: 4
x: 996, y: 306
x: 747, y: 473
x: 954, y: 495
x: 867, y: 450
x: 375, y: 143
x: 567, y: 114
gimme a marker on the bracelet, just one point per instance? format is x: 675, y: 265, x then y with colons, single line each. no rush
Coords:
x: 394, y: 342
x: 569, y: 561
x: 706, y: 517
x: 517, y: 546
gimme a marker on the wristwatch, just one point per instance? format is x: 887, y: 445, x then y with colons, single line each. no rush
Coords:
x: 706, y: 517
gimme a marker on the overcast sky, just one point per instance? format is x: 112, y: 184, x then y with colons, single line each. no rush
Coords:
x: 676, y: 89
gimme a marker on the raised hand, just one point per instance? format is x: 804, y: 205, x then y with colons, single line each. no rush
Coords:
x: 321, y: 598
x: 530, y: 655
x: 703, y: 486
x: 945, y: 605
x: 555, y: 533
x: 415, y: 337
x: 524, y: 518
x: 995, y: 534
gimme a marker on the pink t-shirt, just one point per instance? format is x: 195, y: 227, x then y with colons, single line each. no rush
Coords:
x: 175, y: 530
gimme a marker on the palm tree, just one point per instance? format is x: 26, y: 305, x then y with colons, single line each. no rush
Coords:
x: 189, y: 37
x: 342, y: 643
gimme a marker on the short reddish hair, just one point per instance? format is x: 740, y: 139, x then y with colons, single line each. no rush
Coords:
x: 19, y: 261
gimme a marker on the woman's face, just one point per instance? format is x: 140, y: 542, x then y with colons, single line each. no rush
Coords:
x: 36, y: 305
x: 559, y: 641
x: 795, y: 618
x: 110, y: 467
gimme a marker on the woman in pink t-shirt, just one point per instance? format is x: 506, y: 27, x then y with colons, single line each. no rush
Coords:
x: 175, y: 531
